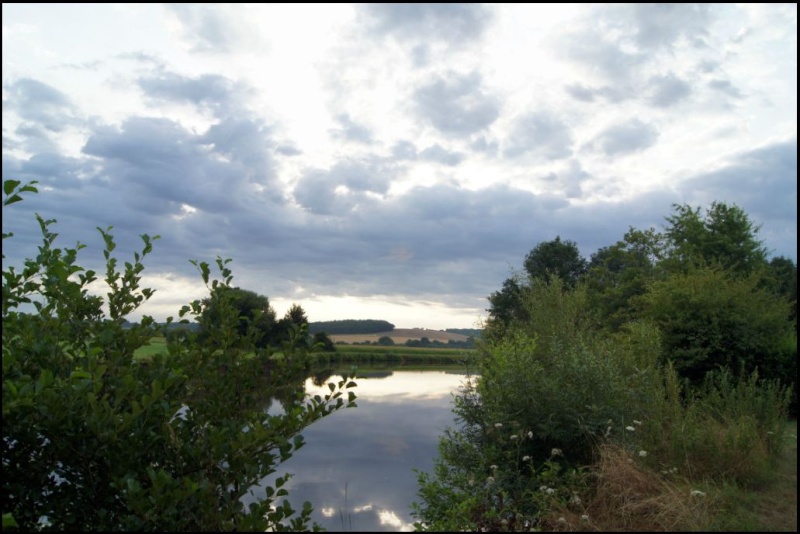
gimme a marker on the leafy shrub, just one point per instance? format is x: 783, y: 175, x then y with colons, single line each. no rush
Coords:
x: 94, y: 439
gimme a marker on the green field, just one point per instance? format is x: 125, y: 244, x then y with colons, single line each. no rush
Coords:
x: 375, y: 354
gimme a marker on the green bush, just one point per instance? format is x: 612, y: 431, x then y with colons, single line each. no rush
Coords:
x: 95, y: 439
x: 546, y: 393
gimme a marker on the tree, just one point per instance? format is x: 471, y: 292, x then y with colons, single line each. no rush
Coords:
x: 619, y: 273
x: 323, y: 342
x: 725, y: 236
x: 256, y: 316
x: 385, y: 340
x: 96, y: 438
x: 556, y: 258
x: 783, y: 272
x: 712, y: 319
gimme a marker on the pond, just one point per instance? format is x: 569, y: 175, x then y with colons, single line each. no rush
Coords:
x: 356, y: 467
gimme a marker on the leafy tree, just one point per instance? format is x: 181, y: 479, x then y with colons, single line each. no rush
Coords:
x: 556, y: 258
x: 506, y: 304
x: 619, y: 273
x: 712, y: 319
x: 255, y: 314
x: 783, y: 272
x: 323, y: 341
x: 292, y: 328
x: 96, y: 438
x: 385, y: 340
x: 725, y: 236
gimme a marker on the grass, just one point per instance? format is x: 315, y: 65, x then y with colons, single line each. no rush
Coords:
x: 626, y: 495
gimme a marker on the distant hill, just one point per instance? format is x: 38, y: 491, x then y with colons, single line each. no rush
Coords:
x: 350, y: 326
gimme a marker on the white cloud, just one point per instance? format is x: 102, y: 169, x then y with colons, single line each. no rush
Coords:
x: 388, y: 158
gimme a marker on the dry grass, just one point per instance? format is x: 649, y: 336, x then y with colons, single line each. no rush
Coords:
x: 627, y: 497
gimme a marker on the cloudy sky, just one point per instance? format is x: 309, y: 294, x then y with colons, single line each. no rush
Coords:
x: 389, y: 161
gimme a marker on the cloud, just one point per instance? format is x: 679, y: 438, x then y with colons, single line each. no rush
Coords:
x: 626, y: 138
x: 216, y: 28
x: 455, y: 23
x: 541, y: 134
x: 350, y: 130
x: 657, y: 26
x: 38, y: 102
x: 344, y: 186
x: 456, y: 104
x: 763, y: 182
x: 666, y: 91
x: 725, y: 87
x: 407, y: 151
x: 206, y: 91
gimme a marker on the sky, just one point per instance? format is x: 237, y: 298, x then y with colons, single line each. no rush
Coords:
x: 388, y: 161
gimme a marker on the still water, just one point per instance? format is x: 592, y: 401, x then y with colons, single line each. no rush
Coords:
x: 356, y: 467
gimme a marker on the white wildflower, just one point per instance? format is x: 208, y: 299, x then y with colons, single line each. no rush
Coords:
x: 584, y: 517
x: 555, y: 452
x: 642, y: 454
x: 530, y: 434
x: 492, y: 467
x: 576, y: 499
x: 498, y: 425
x: 637, y: 423
x: 526, y: 458
x: 697, y: 493
x: 542, y: 488
x: 550, y: 491
x: 513, y: 436
x: 562, y: 520
x: 490, y: 480
x: 630, y: 429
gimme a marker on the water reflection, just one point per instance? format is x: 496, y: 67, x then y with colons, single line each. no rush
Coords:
x: 357, y: 465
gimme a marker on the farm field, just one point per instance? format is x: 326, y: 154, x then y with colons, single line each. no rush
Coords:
x: 401, y: 335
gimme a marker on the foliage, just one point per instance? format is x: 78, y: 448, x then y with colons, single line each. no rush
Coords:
x: 545, y: 394
x: 556, y: 258
x: 783, y: 274
x: 254, y: 311
x: 711, y: 319
x: 725, y: 236
x: 621, y: 272
x: 94, y: 439
x: 729, y: 429
x: 385, y: 340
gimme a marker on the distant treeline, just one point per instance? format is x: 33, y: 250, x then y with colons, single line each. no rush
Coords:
x: 470, y: 332
x: 350, y: 326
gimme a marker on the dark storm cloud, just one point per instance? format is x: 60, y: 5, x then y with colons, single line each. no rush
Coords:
x: 456, y: 104
x: 626, y: 138
x: 763, y: 182
x: 38, y: 102
x: 541, y: 134
x: 450, y: 22
x: 666, y: 91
